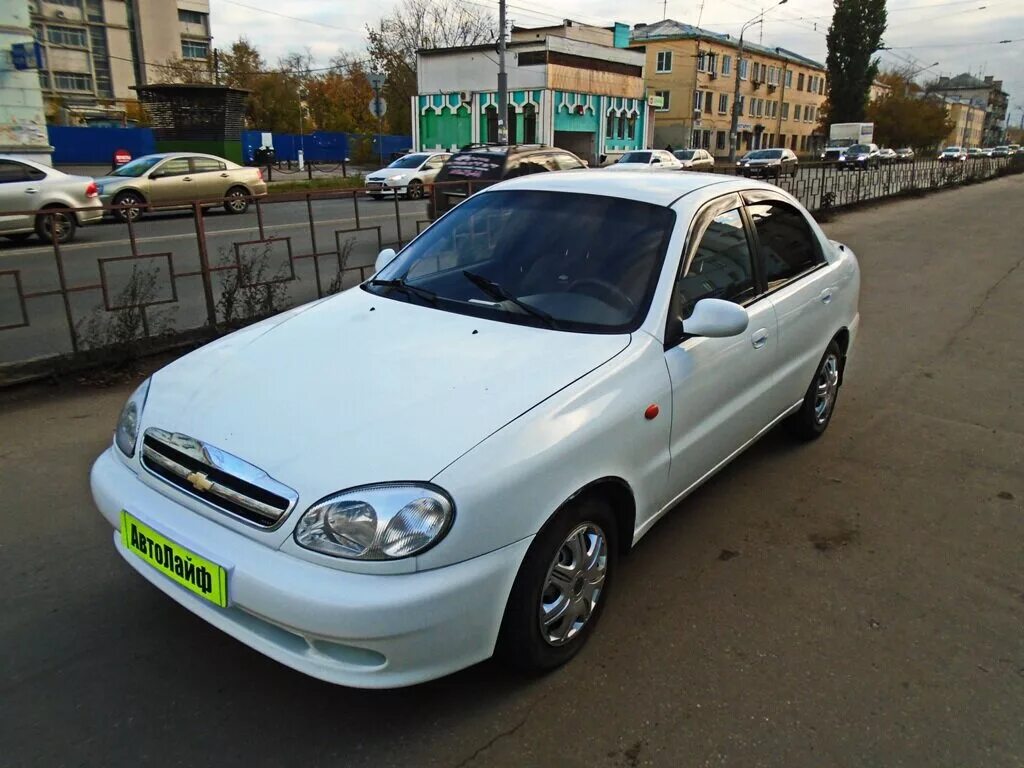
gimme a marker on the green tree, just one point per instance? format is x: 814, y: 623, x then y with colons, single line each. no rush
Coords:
x: 906, y: 120
x: 854, y: 37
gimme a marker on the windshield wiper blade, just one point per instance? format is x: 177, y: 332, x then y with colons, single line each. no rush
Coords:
x: 496, y: 292
x: 412, y: 290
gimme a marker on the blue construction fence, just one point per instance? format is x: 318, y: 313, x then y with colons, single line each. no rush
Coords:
x: 93, y: 145
x: 327, y: 146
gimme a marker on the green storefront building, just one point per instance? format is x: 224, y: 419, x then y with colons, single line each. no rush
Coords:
x: 570, y: 86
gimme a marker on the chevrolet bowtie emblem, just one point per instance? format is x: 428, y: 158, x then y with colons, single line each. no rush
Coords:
x: 199, y: 481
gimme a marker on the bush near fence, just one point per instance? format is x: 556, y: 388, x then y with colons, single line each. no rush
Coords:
x: 51, y: 322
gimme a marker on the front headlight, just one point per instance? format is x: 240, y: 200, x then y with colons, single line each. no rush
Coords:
x: 126, y: 434
x: 377, y: 522
x: 396, y: 177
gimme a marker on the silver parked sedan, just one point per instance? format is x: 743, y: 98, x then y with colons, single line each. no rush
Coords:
x: 176, y: 180
x: 37, y: 199
x: 695, y: 159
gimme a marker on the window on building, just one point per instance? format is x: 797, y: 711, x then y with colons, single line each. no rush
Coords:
x: 622, y: 126
x: 37, y: 31
x: 743, y: 68
x: 666, y: 100
x: 529, y: 124
x: 800, y: 82
x: 68, y: 3
x: 664, y: 61
x: 609, y: 128
x: 491, y: 118
x: 94, y: 10
x: 785, y: 110
x: 709, y: 102
x: 191, y: 17
x: 723, y: 103
x: 72, y: 81
x: 66, y: 36
x: 726, y: 65
x: 753, y: 107
x: 44, y: 80
x: 696, y: 101
x: 712, y: 62
x: 741, y: 103
x: 630, y: 127
x: 803, y: 143
x: 821, y: 86
x: 193, y: 49
x: 789, y: 78
x: 720, y: 137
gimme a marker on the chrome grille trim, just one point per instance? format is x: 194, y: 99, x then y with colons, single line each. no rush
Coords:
x: 226, y: 482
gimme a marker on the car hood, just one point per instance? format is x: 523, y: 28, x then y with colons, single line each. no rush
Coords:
x: 359, y: 389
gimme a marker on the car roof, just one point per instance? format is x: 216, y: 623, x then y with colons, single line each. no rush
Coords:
x: 643, y: 186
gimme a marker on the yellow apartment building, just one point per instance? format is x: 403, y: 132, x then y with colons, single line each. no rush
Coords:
x: 968, y: 118
x: 690, y: 77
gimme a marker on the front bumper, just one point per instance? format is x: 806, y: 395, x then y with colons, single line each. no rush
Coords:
x: 366, y: 631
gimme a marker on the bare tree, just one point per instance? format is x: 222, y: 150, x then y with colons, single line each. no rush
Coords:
x: 417, y: 24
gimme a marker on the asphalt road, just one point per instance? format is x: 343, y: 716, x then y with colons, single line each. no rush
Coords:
x: 855, y: 602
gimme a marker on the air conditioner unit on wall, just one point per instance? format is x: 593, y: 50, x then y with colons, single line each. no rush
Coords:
x: 465, y: 97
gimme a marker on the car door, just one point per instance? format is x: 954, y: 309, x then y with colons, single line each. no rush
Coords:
x: 428, y: 171
x: 20, y: 192
x: 800, y: 285
x: 171, y: 182
x: 719, y: 385
x: 210, y: 178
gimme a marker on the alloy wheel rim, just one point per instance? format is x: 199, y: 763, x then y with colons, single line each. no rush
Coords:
x: 237, y: 201
x: 59, y: 226
x: 415, y: 190
x: 573, y: 584
x: 826, y: 385
x: 132, y: 210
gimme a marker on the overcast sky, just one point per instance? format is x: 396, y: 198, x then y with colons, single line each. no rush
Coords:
x: 962, y: 35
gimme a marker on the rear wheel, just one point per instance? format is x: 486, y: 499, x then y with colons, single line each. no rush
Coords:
x: 561, y: 588
x: 54, y: 225
x: 811, y: 421
x: 237, y: 200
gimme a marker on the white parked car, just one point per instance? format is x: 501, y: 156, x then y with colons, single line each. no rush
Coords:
x: 647, y: 160
x: 448, y: 461
x: 408, y: 175
x: 953, y: 154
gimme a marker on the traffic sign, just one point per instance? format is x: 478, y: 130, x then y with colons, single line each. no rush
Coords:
x: 383, y: 107
x: 121, y: 157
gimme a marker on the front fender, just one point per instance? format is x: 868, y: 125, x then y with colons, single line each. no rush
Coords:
x: 509, y: 485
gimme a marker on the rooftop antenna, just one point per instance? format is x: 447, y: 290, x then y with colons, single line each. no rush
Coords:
x: 760, y: 27
x: 664, y: 9
x: 700, y: 13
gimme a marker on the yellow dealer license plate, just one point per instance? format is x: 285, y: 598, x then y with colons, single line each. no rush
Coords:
x: 194, y: 573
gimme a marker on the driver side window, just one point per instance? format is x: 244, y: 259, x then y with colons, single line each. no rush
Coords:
x: 175, y: 167
x: 722, y: 267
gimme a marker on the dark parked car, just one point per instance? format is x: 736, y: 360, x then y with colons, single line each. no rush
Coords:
x: 904, y: 155
x: 476, y: 166
x: 768, y: 163
x: 862, y: 157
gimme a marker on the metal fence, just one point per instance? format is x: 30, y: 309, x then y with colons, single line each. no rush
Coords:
x: 197, y: 272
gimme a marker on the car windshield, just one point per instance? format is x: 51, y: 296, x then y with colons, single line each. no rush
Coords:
x: 567, y: 261
x: 951, y: 149
x: 409, y: 161
x: 841, y: 142
x: 684, y: 154
x: 137, y: 167
x: 765, y: 154
x: 859, y: 149
x: 636, y: 157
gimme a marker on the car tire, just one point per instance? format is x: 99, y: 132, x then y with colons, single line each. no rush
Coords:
x: 815, y: 414
x: 19, y: 237
x: 414, y: 191
x: 236, y: 200
x: 63, y: 221
x: 581, y: 544
x: 132, y: 199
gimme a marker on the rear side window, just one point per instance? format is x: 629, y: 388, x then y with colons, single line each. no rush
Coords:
x: 206, y: 164
x: 11, y: 172
x: 473, y: 165
x: 722, y: 267
x: 788, y: 247
x: 524, y: 165
x: 566, y: 162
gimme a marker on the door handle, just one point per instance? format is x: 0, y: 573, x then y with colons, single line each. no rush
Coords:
x: 186, y: 178
x: 825, y: 296
x: 31, y: 190
x: 759, y: 338
x: 224, y: 175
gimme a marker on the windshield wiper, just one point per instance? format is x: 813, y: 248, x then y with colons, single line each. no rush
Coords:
x: 411, y: 290
x: 496, y: 292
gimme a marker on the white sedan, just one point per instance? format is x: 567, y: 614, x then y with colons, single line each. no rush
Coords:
x: 448, y: 461
x: 409, y: 175
x: 647, y: 160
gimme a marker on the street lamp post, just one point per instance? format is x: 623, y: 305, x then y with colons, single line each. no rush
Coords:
x: 734, y: 128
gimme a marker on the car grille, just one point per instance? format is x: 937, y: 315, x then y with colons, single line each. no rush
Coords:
x: 223, y: 481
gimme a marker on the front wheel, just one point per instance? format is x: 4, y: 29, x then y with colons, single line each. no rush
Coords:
x: 811, y: 421
x: 561, y: 588
x: 415, y: 189
x: 237, y: 200
x: 132, y: 202
x: 55, y: 226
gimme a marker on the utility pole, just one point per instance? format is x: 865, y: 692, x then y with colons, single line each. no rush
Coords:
x: 502, y: 78
x: 734, y: 128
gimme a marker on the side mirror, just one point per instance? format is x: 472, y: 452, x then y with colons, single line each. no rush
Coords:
x: 656, y: 161
x: 716, y: 318
x: 383, y: 259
